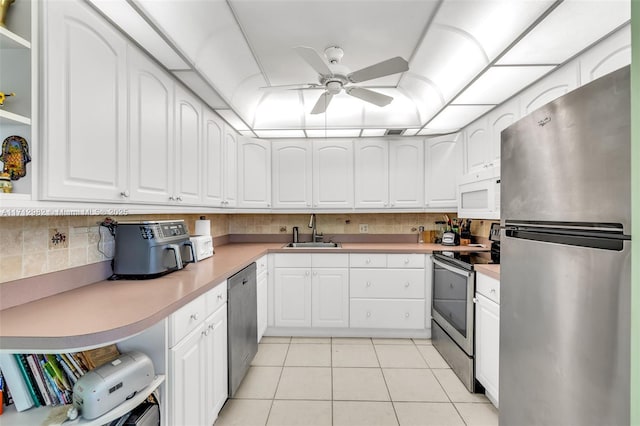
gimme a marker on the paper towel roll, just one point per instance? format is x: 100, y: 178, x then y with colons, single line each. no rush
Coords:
x: 203, y: 227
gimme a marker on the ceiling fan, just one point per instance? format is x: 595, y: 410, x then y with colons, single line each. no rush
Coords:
x: 335, y: 77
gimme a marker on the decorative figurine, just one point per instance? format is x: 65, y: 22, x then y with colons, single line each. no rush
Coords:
x: 15, y: 156
x: 5, y: 183
x: 4, y: 95
x: 4, y: 8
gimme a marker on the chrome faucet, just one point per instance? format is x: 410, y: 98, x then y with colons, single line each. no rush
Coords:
x: 315, y: 236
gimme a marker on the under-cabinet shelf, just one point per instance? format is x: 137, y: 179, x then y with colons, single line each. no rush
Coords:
x: 10, y: 40
x: 7, y: 117
x: 36, y: 416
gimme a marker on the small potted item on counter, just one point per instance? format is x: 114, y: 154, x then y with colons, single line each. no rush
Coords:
x: 5, y: 183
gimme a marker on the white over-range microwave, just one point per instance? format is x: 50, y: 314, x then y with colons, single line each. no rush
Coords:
x: 479, y: 195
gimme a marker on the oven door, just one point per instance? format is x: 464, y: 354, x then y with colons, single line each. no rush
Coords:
x: 452, y: 306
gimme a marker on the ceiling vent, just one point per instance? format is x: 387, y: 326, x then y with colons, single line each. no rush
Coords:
x: 394, y: 132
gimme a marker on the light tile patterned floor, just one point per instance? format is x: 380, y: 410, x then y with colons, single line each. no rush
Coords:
x: 299, y: 381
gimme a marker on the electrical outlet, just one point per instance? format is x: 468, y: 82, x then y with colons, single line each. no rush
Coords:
x: 364, y: 228
x: 283, y: 229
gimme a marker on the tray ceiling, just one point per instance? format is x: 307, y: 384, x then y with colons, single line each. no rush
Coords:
x: 464, y: 56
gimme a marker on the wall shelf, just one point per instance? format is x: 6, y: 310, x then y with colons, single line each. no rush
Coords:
x: 10, y: 40
x: 7, y: 117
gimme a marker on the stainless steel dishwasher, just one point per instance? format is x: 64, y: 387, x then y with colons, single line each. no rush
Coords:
x: 242, y: 324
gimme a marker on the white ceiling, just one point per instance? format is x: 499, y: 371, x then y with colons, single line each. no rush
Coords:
x: 465, y: 56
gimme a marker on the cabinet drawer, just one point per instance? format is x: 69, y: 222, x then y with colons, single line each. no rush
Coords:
x: 261, y: 265
x: 216, y: 297
x: 488, y: 287
x: 387, y: 283
x: 296, y: 260
x: 383, y: 313
x: 186, y: 319
x: 330, y: 260
x: 367, y: 260
x: 405, y: 260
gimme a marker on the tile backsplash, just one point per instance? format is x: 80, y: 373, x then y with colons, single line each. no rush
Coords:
x: 35, y: 245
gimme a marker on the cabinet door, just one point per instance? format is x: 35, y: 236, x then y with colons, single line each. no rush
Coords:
x: 499, y: 119
x: 230, y: 168
x: 262, y: 299
x: 406, y: 173
x: 330, y: 297
x: 607, y: 56
x: 333, y: 174
x: 292, y: 297
x: 84, y: 105
x: 216, y: 364
x: 151, y: 140
x: 478, y: 146
x: 549, y: 88
x: 292, y: 163
x: 254, y: 173
x: 371, y: 174
x: 213, y: 155
x: 487, y: 345
x: 187, y: 361
x: 443, y: 167
x: 187, y: 148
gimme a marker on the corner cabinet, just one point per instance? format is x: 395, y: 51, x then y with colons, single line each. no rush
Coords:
x: 19, y: 72
x: 443, y: 167
x: 84, y: 123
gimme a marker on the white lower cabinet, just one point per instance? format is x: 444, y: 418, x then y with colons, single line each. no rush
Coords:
x: 488, y: 334
x: 387, y: 313
x: 310, y: 296
x: 198, y: 360
x: 262, y: 296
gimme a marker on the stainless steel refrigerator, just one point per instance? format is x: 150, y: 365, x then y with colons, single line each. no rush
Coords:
x: 565, y: 260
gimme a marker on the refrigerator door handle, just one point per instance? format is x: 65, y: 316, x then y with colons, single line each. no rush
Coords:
x: 604, y: 241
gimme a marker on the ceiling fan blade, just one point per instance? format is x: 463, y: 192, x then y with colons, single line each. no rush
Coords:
x: 301, y: 86
x: 369, y: 96
x: 314, y: 59
x: 322, y: 103
x: 381, y: 69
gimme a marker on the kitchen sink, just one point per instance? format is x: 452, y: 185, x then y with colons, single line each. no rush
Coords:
x: 313, y: 245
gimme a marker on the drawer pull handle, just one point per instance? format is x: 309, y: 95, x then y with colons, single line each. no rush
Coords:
x: 194, y: 316
x: 406, y: 315
x: 493, y: 290
x: 368, y: 283
x: 315, y: 273
x: 219, y: 297
x: 406, y: 261
x: 212, y: 326
x: 475, y: 300
x: 368, y: 261
x: 407, y: 284
x: 205, y: 333
x: 368, y: 314
x: 306, y: 274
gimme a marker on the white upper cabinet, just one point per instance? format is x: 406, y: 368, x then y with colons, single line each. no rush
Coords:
x: 608, y: 56
x: 478, y: 153
x: 213, y: 155
x: 254, y: 173
x: 443, y: 167
x: 549, y: 88
x: 498, y: 120
x: 230, y: 165
x: 332, y: 174
x: 371, y: 174
x: 406, y: 173
x: 84, y: 104
x: 151, y: 137
x: 291, y: 174
x: 187, y: 148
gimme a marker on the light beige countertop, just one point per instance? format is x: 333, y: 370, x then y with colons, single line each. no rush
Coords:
x: 108, y: 311
x: 490, y: 270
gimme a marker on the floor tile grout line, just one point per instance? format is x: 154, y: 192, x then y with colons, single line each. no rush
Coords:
x: 386, y: 385
x: 275, y: 392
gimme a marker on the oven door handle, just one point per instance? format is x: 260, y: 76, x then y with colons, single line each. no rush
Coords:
x: 452, y: 268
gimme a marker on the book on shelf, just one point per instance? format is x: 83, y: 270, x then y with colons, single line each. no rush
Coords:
x: 96, y: 357
x: 27, y: 374
x: 14, y: 380
x: 40, y: 380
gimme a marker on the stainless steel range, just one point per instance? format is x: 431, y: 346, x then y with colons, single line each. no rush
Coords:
x: 453, y: 311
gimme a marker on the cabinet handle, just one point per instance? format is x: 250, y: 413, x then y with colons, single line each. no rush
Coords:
x: 368, y: 261
x: 268, y: 204
x: 306, y: 274
x: 493, y: 290
x: 205, y: 332
x: 179, y: 198
x: 393, y: 204
x: 194, y: 316
x: 406, y: 315
x: 407, y: 284
x: 124, y: 194
x: 385, y: 204
x: 315, y: 273
x: 308, y: 204
x: 211, y: 326
x: 406, y: 261
x: 475, y: 300
x: 368, y: 283
x: 368, y: 314
x: 172, y: 198
x: 219, y: 297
